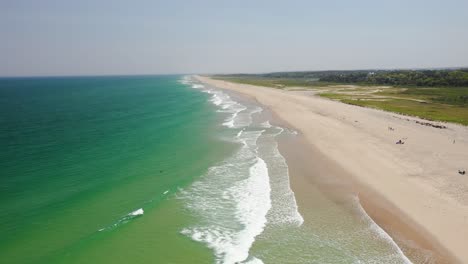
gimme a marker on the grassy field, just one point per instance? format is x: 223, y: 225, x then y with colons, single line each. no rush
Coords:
x: 448, y: 104
x: 273, y: 82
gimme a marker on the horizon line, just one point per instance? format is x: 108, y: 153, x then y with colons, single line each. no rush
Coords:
x: 225, y: 73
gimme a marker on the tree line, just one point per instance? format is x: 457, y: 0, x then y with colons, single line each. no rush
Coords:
x: 427, y: 78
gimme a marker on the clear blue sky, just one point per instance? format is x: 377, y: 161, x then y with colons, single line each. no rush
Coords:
x: 92, y: 37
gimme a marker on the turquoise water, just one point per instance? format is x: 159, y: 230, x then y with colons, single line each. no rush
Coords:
x: 159, y: 169
x: 79, y: 154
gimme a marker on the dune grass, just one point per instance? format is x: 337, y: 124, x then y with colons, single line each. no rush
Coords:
x: 272, y: 82
x: 430, y: 111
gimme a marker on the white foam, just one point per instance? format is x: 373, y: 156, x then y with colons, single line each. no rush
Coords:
x: 222, y: 100
x: 197, y: 86
x: 227, y: 105
x: 252, y: 203
x: 244, y: 116
x: 216, y: 100
x: 254, y: 261
x: 229, y: 123
x: 232, y: 200
x: 186, y: 80
x: 265, y: 124
x: 166, y: 192
x: 285, y: 210
x: 127, y: 218
x: 239, y: 133
x: 257, y: 109
x: 292, y: 131
x: 137, y: 212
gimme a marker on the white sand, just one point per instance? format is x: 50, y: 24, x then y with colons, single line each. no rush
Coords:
x: 420, y: 177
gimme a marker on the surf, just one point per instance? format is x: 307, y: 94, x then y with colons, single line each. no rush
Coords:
x: 233, y: 200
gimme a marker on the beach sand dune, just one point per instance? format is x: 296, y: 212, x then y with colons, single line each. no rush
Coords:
x: 414, y: 188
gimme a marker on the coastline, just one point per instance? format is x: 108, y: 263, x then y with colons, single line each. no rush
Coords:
x: 389, y: 182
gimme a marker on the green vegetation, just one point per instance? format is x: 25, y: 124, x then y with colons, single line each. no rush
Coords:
x: 431, y: 111
x: 440, y: 95
x: 426, y: 78
x: 268, y: 82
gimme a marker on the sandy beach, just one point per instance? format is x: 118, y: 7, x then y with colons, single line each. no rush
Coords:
x: 412, y: 190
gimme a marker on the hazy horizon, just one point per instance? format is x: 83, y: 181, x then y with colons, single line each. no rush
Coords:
x: 52, y: 38
x: 221, y: 73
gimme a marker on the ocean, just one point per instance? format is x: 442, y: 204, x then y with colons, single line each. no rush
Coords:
x: 159, y: 169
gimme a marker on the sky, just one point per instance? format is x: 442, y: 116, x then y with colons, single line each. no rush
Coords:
x: 98, y: 37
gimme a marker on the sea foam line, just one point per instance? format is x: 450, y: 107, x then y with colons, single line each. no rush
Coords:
x: 137, y: 213
x: 253, y: 204
x: 222, y: 196
x: 379, y: 231
x: 234, y: 209
x: 226, y: 105
x: 285, y: 209
x: 231, y: 224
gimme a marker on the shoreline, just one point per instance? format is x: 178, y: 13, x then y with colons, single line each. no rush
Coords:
x: 338, y: 185
x: 409, y: 233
